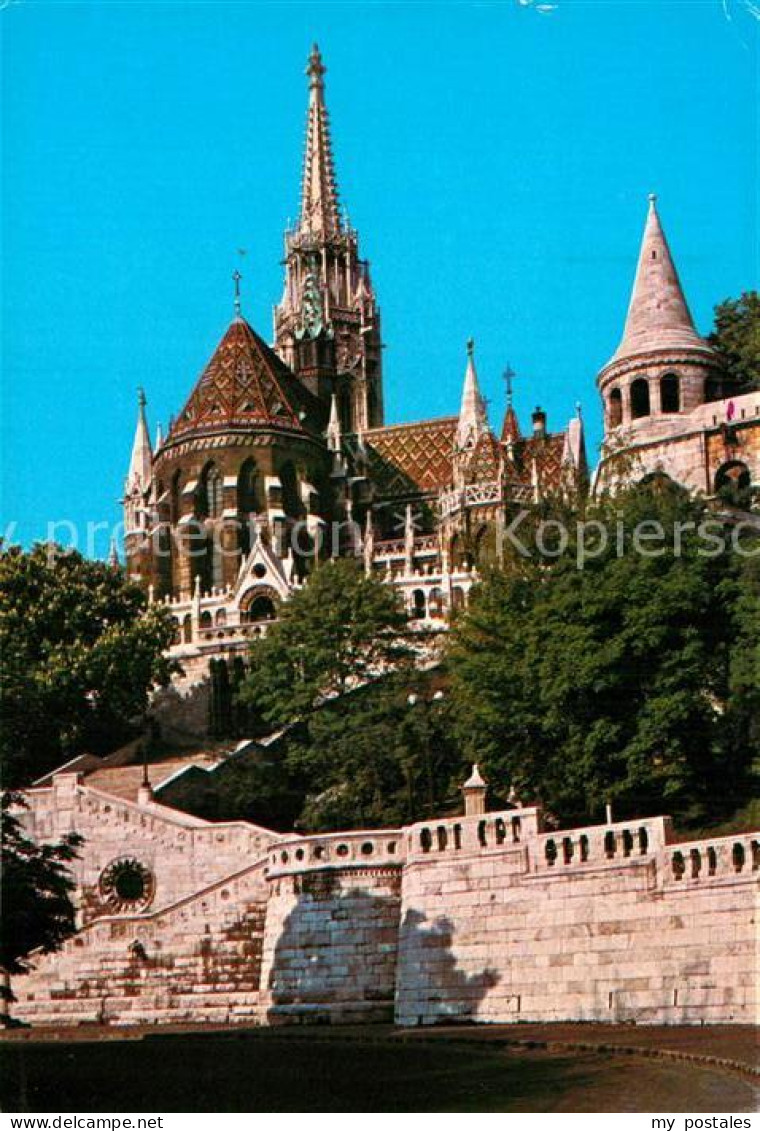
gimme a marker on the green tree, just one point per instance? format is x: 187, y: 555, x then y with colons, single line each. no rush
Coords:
x: 81, y: 652
x: 338, y: 669
x: 36, y: 887
x: 633, y: 680
x: 737, y: 339
x: 340, y: 630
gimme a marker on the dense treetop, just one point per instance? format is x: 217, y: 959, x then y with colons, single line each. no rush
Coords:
x: 80, y: 653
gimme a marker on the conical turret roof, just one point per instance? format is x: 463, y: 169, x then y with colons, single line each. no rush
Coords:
x: 141, y: 460
x: 473, y: 421
x: 658, y: 315
x: 245, y: 384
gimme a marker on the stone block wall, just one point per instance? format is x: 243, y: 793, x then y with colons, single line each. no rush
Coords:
x: 609, y: 923
x: 483, y: 917
x: 332, y: 930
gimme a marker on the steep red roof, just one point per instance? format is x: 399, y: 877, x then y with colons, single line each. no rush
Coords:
x: 406, y: 459
x: 245, y: 383
x: 543, y: 451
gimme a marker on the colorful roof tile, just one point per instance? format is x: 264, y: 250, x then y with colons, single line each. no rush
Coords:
x: 406, y: 459
x: 246, y: 384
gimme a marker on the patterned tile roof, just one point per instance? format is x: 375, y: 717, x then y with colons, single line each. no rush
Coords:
x: 245, y: 383
x: 406, y: 459
x: 546, y: 453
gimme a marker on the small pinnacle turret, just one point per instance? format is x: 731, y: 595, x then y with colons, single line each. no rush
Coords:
x: 473, y: 422
x: 141, y: 462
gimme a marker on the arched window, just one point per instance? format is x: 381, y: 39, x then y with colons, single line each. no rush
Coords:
x: 435, y: 602
x: 419, y: 607
x: 248, y: 494
x: 733, y: 482
x: 457, y: 597
x: 187, y: 630
x: 640, y: 398
x: 260, y: 608
x: 291, y: 498
x: 615, y: 409
x: 459, y: 556
x: 670, y: 393
x: 175, y: 502
x: 208, y: 495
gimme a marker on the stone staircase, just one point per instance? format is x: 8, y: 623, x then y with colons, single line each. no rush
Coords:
x: 197, y: 960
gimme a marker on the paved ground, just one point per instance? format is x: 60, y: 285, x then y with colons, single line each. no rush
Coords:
x: 375, y: 1069
x: 739, y: 1044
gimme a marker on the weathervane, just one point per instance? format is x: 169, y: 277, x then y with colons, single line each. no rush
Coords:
x: 236, y: 277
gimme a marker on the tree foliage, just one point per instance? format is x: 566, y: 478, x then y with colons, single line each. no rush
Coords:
x: 634, y: 680
x: 737, y: 339
x: 337, y: 632
x: 36, y: 885
x: 339, y: 667
x: 80, y: 653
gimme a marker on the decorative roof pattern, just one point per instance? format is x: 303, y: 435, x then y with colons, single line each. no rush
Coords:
x: 406, y: 459
x: 544, y: 453
x: 658, y: 315
x: 245, y: 383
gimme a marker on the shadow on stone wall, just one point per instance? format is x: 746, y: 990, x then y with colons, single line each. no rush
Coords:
x: 429, y: 985
x: 336, y: 960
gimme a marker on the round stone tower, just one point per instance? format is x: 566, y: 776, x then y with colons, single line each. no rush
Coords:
x: 662, y: 368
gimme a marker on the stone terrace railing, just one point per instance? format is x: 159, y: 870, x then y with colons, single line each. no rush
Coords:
x: 723, y: 858
x: 600, y: 845
x: 489, y: 832
x: 370, y: 848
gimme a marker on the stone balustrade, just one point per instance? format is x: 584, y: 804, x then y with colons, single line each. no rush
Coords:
x: 601, y: 845
x: 721, y: 858
x: 337, y: 850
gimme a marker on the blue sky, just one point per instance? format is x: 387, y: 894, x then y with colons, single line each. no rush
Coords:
x: 496, y: 160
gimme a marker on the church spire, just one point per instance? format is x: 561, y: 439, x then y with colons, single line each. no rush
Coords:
x: 320, y: 212
x: 658, y: 315
x: 472, y: 414
x: 140, y: 465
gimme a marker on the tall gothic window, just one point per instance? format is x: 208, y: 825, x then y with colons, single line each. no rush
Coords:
x: 248, y: 489
x: 615, y: 409
x: 176, y: 497
x: 208, y: 497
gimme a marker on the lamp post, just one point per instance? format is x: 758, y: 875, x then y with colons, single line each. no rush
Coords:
x: 414, y: 700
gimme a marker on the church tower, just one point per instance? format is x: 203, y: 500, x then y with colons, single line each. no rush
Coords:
x: 327, y: 326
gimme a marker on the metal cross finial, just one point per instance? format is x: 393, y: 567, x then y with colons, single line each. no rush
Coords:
x: 509, y: 373
x: 236, y: 277
x: 142, y: 400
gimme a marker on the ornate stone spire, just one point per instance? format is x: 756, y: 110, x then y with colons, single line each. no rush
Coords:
x: 473, y: 422
x: 658, y: 315
x: 320, y: 212
x: 141, y: 462
x: 328, y: 292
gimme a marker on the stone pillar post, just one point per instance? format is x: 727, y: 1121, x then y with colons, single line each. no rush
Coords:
x: 474, y: 790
